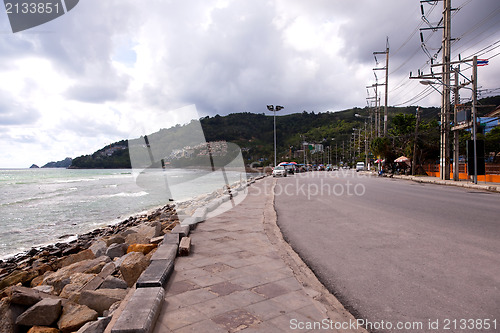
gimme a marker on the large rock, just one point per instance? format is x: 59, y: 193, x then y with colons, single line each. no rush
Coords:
x: 74, y: 258
x: 44, y: 313
x: 98, y: 248
x: 101, y: 299
x: 112, y: 282
x: 132, y: 266
x: 137, y: 238
x: 43, y: 329
x: 75, y: 316
x: 61, y: 277
x: 26, y: 296
x: 116, y: 250
x: 143, y: 248
x: 95, y: 326
x: 17, y: 277
x: 8, y: 314
x: 115, y: 239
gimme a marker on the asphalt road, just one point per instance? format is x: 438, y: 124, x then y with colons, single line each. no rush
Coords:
x: 396, y: 251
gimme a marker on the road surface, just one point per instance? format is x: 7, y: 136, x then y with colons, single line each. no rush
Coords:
x: 396, y: 252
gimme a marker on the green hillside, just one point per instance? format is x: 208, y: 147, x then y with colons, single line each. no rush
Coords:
x: 253, y: 133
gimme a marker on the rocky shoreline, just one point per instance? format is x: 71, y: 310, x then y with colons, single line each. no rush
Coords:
x: 76, y: 286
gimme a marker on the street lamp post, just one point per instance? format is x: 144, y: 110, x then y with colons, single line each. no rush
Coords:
x: 274, y: 109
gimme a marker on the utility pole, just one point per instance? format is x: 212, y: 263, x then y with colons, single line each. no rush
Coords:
x: 444, y: 80
x: 456, y: 147
x: 366, y: 150
x: 474, y: 113
x: 445, y: 102
x: 386, y: 68
x: 414, y: 162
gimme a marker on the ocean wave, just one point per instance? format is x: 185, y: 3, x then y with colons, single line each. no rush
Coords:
x: 125, y: 194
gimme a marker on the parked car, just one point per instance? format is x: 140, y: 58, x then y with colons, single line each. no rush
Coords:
x: 279, y: 171
x: 290, y: 169
x: 360, y: 166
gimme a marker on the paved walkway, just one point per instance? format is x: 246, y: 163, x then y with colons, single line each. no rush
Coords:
x: 241, y: 276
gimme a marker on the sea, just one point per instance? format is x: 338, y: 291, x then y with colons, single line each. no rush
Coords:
x: 45, y: 206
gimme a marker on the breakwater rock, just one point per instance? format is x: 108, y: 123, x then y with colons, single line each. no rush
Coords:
x: 64, y: 286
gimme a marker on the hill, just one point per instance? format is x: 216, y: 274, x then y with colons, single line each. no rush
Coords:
x: 254, y: 134
x: 60, y: 164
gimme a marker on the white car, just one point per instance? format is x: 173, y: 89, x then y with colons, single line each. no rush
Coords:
x: 279, y: 171
x: 360, y: 166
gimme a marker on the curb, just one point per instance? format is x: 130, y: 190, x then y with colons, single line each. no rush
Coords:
x: 490, y: 188
x: 142, y: 310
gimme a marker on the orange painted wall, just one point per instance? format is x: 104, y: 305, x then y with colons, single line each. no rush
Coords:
x: 464, y: 176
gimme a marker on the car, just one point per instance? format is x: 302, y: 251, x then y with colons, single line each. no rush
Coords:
x: 279, y: 171
x: 290, y: 168
x: 360, y: 166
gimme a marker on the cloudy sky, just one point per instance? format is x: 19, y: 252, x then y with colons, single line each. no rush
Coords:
x: 107, y: 69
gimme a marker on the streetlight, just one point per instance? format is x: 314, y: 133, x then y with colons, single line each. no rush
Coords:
x: 274, y: 109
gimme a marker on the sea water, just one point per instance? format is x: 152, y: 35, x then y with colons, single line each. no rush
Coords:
x: 44, y: 206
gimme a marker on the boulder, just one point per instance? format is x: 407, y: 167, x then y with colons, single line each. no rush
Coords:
x: 101, y: 299
x: 41, y: 267
x: 37, y: 281
x: 8, y: 314
x: 71, y: 291
x: 44, y: 288
x: 143, y: 248
x: 16, y: 277
x: 43, y: 329
x: 116, y: 250
x: 95, y: 326
x: 74, y: 258
x: 108, y: 269
x: 157, y: 229
x: 137, y: 238
x: 98, y: 248
x: 75, y: 316
x: 61, y: 277
x: 132, y: 266
x: 97, y: 268
x: 111, y: 310
x: 112, y: 282
x: 115, y: 239
x: 44, y: 313
x: 26, y: 296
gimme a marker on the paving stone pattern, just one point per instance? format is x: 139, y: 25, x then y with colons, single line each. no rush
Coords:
x: 234, y: 280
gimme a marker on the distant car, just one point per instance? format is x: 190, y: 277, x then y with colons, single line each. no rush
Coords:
x: 290, y: 169
x: 360, y: 166
x: 279, y: 171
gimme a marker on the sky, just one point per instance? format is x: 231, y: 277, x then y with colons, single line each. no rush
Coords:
x: 107, y: 70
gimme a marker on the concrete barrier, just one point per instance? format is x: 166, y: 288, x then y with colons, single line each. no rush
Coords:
x: 141, y: 312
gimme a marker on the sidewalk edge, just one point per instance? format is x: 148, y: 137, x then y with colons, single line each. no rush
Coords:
x: 327, y: 303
